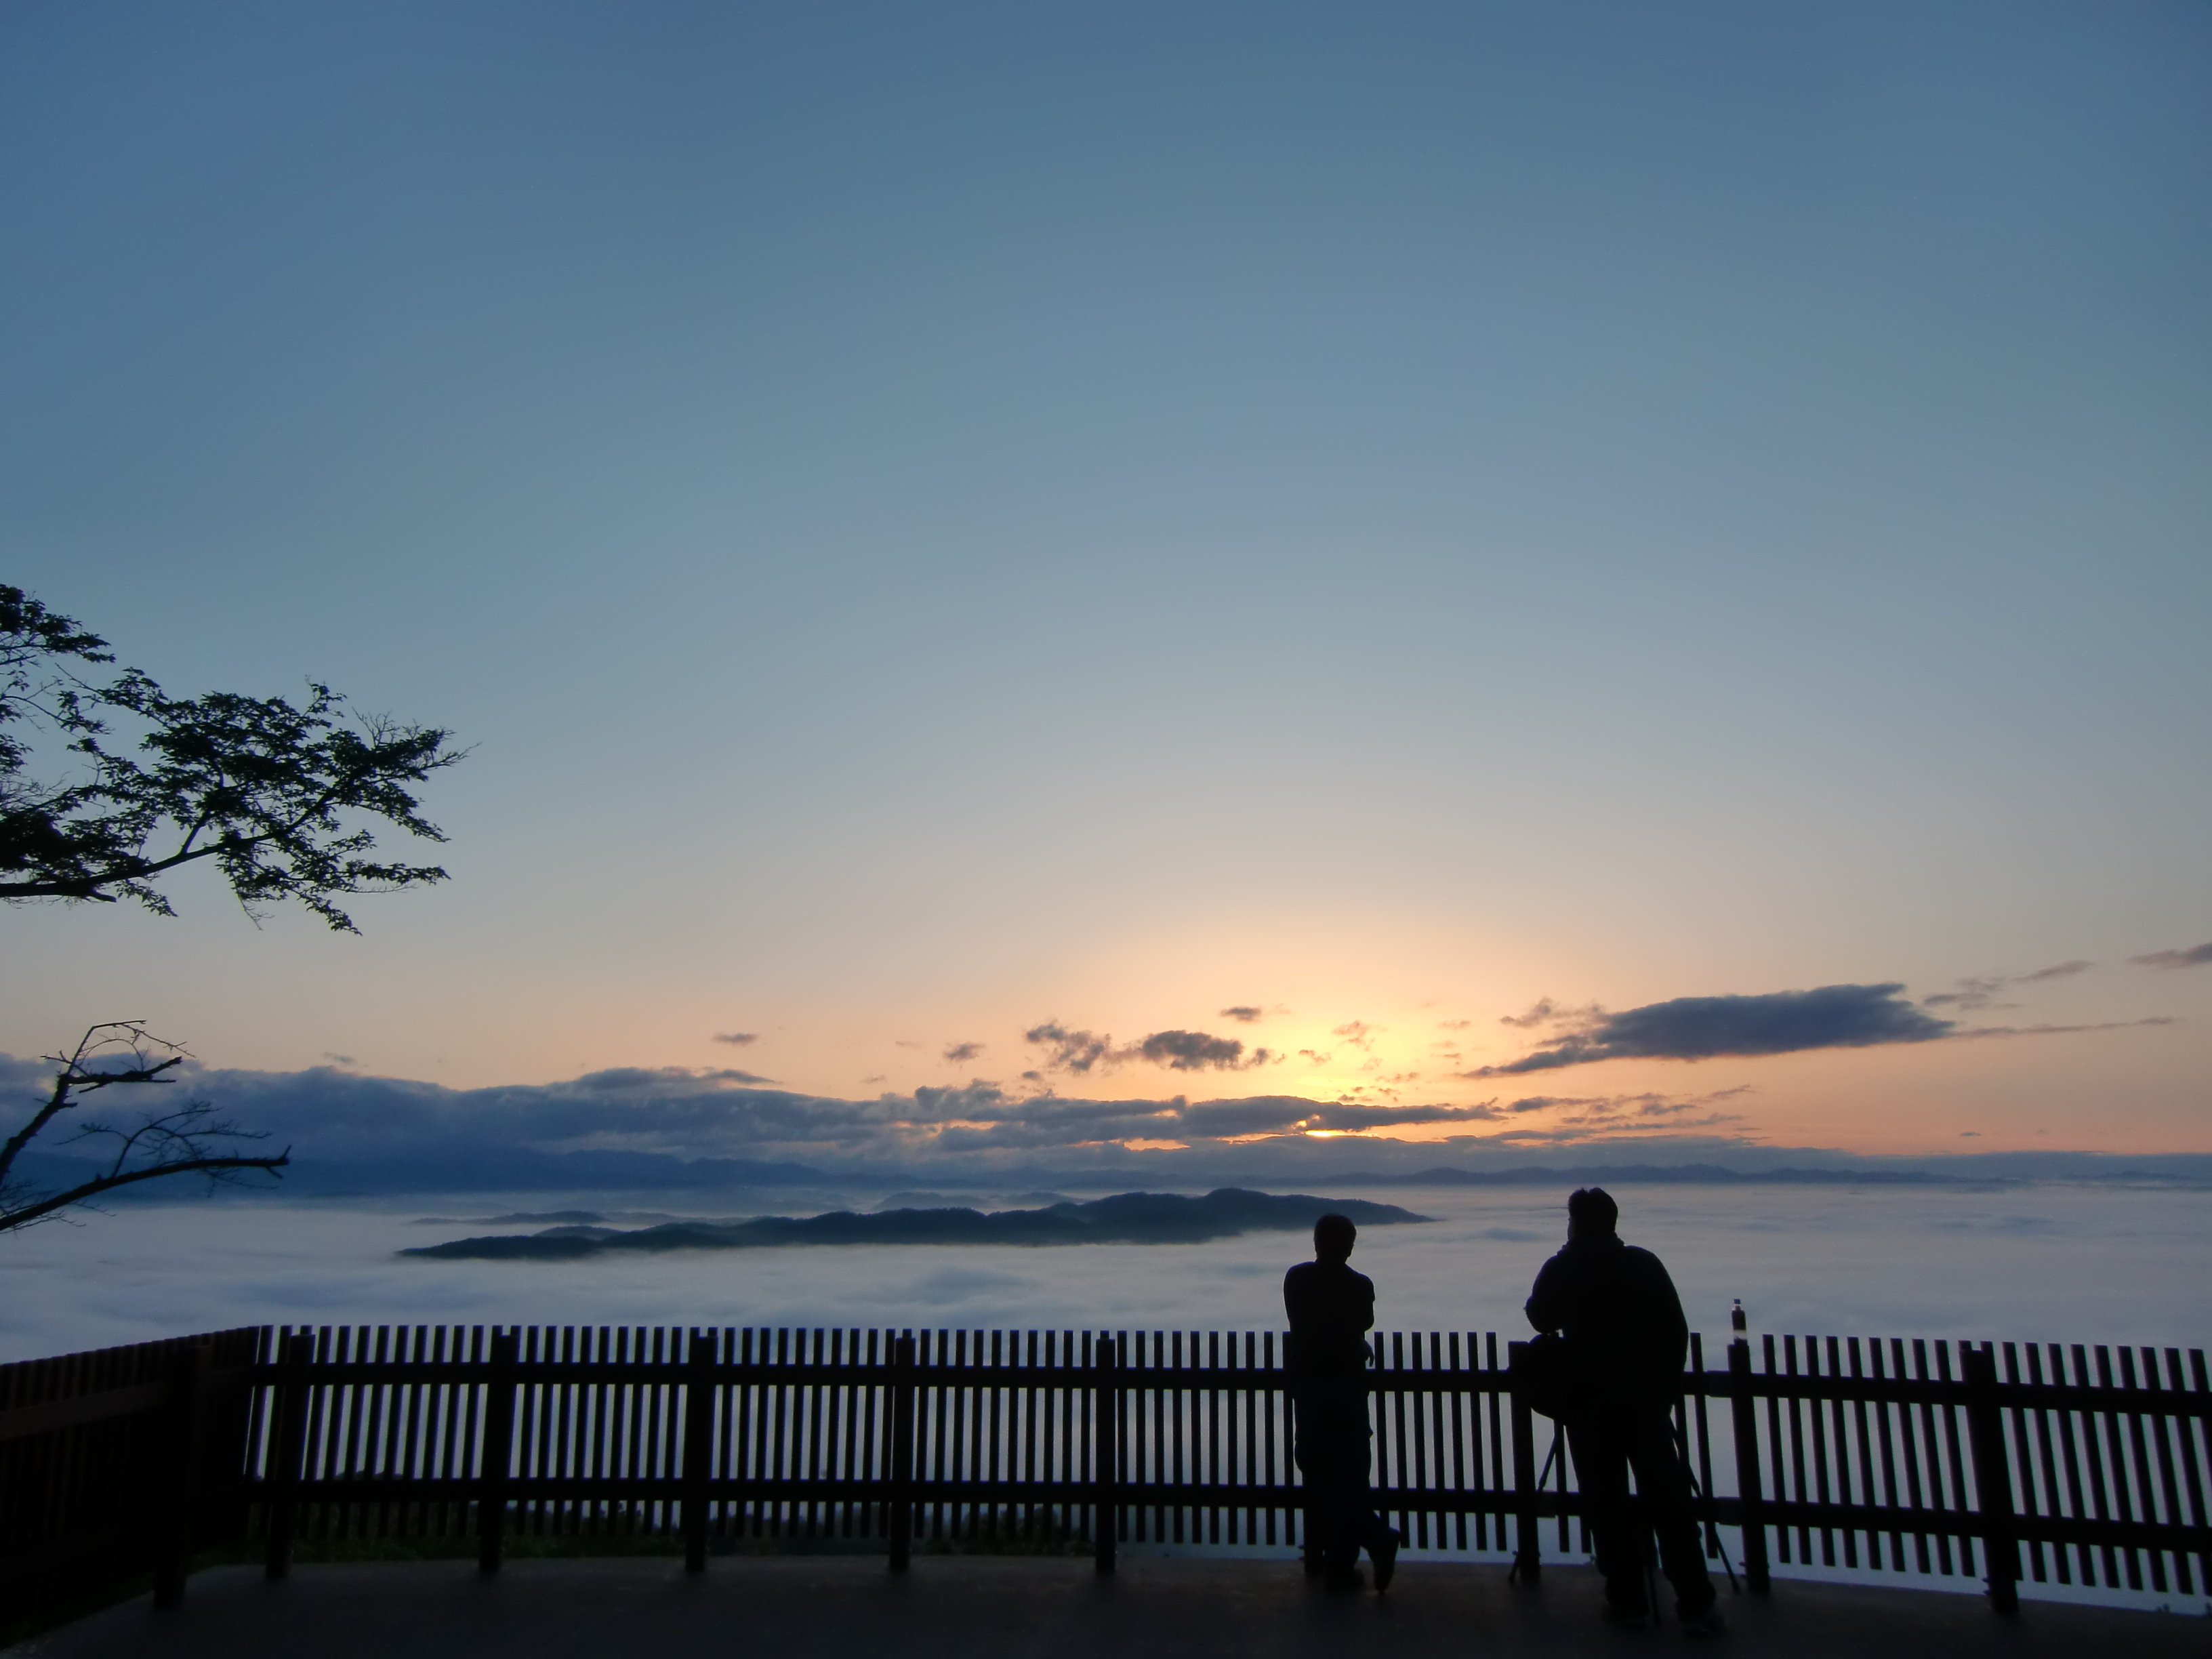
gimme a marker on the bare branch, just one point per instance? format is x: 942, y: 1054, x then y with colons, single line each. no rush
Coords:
x: 188, y: 1139
x: 39, y: 1209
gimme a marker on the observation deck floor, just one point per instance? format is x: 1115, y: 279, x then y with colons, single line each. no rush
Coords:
x: 823, y: 1606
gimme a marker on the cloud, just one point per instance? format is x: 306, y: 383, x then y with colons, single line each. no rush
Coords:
x: 667, y: 1128
x: 1541, y: 1012
x: 1357, y: 1032
x: 960, y: 1053
x: 1198, y: 1051
x: 736, y: 1039
x: 2195, y: 956
x: 1071, y: 1050
x: 2059, y: 1030
x: 1353, y: 1119
x: 1704, y: 1027
x: 1844, y: 1262
x: 1981, y: 992
x: 1290, y: 1114
x: 1607, y: 1128
x: 1082, y: 1051
x: 1545, y: 1012
x: 1243, y: 1012
x: 1603, y: 1117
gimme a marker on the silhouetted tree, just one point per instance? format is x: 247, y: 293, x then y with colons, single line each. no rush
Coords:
x: 188, y: 1139
x: 272, y: 793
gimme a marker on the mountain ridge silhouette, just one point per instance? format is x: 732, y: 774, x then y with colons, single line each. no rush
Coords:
x: 1122, y: 1218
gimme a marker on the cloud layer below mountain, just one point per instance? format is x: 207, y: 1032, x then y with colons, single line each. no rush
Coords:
x: 2053, y: 1262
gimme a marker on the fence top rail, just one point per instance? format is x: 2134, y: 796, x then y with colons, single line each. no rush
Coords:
x: 100, y: 1368
x: 929, y: 1373
x: 1138, y: 1343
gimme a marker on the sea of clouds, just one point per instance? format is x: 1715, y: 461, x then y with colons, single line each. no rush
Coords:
x: 2075, y: 1263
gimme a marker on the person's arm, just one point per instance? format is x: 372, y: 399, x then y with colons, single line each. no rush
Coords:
x: 1297, y: 1315
x: 1546, y: 1305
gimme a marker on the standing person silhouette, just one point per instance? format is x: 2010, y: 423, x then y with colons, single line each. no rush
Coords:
x: 1627, y: 1343
x: 1331, y: 1310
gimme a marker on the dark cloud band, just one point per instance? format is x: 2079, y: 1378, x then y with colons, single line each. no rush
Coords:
x: 2197, y: 956
x: 1706, y: 1028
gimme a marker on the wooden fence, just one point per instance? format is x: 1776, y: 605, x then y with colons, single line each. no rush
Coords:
x: 114, y: 1462
x: 1913, y: 1458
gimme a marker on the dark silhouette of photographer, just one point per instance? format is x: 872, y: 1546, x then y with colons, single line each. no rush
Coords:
x: 1625, y: 1344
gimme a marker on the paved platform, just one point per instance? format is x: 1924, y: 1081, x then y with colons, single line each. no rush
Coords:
x: 972, y: 1607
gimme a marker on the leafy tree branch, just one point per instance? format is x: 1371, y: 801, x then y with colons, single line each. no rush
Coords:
x: 274, y: 793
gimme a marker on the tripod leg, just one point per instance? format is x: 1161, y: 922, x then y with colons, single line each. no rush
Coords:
x: 1713, y: 1544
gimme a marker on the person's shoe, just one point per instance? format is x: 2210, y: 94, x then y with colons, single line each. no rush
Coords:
x: 1385, y: 1558
x: 1704, y: 1623
x: 1343, y: 1579
x: 1626, y: 1616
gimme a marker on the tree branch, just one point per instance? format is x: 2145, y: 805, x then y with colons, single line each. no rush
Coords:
x: 86, y: 887
x: 73, y: 1079
x: 39, y: 1209
x: 273, y: 792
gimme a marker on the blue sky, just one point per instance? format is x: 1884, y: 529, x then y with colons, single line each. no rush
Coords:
x: 941, y: 521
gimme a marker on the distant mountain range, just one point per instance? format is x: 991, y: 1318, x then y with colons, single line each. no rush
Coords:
x: 1124, y: 1219
x: 486, y: 1170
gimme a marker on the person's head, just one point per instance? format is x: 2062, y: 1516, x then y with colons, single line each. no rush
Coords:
x: 1334, y: 1235
x: 1591, y: 1213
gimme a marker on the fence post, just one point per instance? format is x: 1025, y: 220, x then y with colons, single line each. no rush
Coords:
x: 498, y: 1454
x: 288, y: 1448
x: 1992, y: 1476
x: 1527, y: 1553
x: 698, y: 1446
x: 180, y: 1425
x: 1106, y: 1450
x: 1750, y: 1490
x: 900, y: 1451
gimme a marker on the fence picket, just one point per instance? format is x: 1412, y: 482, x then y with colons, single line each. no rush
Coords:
x: 2196, y: 1455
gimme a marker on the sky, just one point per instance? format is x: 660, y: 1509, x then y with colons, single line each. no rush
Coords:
x: 1651, y: 561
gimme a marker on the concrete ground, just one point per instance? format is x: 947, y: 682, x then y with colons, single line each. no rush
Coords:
x: 971, y: 1607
